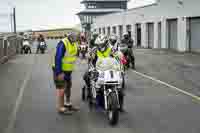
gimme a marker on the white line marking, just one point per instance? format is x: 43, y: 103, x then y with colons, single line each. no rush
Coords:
x: 168, y: 85
x: 13, y: 116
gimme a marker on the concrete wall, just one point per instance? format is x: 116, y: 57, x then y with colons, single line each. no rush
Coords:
x: 155, y: 13
x: 9, y: 46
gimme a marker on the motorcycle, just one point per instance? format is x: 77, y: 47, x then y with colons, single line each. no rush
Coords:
x: 83, y: 49
x: 105, y: 87
x: 42, y: 47
x: 26, y: 47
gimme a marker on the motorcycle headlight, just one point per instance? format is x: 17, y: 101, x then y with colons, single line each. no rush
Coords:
x: 101, y: 75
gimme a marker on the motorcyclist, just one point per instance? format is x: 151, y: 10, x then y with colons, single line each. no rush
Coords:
x: 129, y: 42
x: 93, y: 39
x: 39, y: 40
x: 113, y: 40
x: 82, y: 38
x: 103, y: 50
x: 83, y: 41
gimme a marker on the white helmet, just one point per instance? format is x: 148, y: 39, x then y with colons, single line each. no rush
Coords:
x: 102, y: 42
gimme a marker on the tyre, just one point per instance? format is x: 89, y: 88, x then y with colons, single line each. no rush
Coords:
x: 123, y: 82
x: 42, y: 51
x: 26, y: 51
x: 83, y: 93
x: 113, y: 111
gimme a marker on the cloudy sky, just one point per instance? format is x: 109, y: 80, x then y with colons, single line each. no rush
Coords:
x: 44, y: 14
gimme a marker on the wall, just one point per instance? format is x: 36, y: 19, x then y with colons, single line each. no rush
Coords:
x: 9, y: 46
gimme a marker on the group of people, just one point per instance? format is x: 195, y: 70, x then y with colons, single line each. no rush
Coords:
x: 65, y: 57
x: 114, y: 42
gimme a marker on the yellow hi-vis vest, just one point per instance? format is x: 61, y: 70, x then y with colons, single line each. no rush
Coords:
x: 69, y: 59
x: 104, y: 54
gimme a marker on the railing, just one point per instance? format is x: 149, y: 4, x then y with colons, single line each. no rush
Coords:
x: 9, y: 46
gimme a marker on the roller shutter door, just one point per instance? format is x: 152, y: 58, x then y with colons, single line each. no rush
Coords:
x: 172, y: 26
x: 195, y: 34
x: 150, y: 34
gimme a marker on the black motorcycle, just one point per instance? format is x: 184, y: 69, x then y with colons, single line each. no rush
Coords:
x: 42, y: 47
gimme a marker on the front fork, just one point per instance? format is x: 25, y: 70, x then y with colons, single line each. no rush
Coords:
x: 107, y: 93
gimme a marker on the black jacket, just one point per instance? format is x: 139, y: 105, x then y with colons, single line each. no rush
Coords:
x: 129, y: 42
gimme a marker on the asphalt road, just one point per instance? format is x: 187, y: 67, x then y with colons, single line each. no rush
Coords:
x: 28, y: 102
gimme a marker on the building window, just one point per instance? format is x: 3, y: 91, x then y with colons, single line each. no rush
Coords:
x: 91, y: 6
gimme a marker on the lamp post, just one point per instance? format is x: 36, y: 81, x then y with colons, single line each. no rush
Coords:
x: 14, y: 20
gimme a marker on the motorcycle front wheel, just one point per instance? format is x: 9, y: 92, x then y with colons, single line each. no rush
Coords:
x: 113, y: 111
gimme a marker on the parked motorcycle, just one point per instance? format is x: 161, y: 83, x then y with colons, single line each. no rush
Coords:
x: 105, y: 87
x: 26, y: 48
x: 42, y: 47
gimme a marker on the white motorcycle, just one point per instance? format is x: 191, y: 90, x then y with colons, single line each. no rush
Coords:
x: 26, y: 48
x: 106, y: 81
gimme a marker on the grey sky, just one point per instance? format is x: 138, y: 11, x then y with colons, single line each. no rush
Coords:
x: 43, y: 14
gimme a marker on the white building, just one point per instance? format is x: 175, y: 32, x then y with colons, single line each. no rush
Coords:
x: 170, y: 24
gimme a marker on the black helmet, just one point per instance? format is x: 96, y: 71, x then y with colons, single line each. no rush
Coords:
x: 95, y: 35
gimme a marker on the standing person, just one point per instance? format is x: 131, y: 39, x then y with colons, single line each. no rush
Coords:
x: 129, y: 42
x: 65, y: 58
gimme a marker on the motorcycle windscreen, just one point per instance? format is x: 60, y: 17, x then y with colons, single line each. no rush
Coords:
x: 25, y: 43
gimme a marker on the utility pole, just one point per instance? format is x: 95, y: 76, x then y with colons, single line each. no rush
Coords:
x: 14, y: 19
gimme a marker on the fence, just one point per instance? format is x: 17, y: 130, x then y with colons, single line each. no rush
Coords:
x: 9, y: 46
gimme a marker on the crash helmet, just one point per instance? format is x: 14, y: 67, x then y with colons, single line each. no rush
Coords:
x: 94, y: 35
x: 82, y: 36
x: 72, y: 37
x: 126, y: 35
x: 113, y: 40
x: 102, y: 42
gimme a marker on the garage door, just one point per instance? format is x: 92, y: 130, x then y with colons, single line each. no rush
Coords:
x: 172, y: 30
x: 195, y: 35
x: 150, y: 35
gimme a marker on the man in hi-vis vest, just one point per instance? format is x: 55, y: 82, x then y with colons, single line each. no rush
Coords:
x: 63, y: 66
